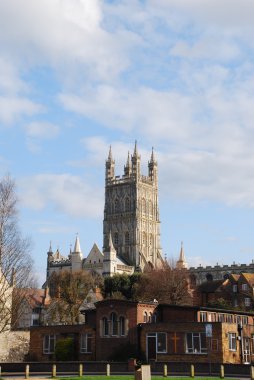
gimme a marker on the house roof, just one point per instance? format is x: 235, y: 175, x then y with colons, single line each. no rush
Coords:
x: 249, y: 278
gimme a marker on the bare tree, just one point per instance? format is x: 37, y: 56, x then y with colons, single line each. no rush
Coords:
x: 68, y: 290
x: 15, y: 260
x: 167, y: 285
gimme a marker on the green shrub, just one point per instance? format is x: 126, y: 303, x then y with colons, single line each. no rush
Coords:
x: 65, y: 350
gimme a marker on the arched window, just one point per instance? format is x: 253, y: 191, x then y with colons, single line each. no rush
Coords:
x: 127, y: 204
x: 150, y: 317
x: 127, y: 238
x: 104, y: 326
x: 122, y: 325
x: 150, y: 208
x: 117, y: 205
x: 150, y: 240
x: 144, y: 238
x: 154, y: 318
x: 116, y: 238
x: 143, y: 205
x: 145, y: 317
x: 113, y: 319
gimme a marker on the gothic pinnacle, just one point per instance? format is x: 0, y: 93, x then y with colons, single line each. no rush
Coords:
x: 110, y: 154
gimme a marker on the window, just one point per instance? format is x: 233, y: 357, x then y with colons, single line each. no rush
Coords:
x: 116, y: 238
x: 203, y: 316
x: 196, y: 343
x: 127, y: 204
x: 105, y: 326
x: 154, y: 317
x: 86, y: 343
x: 150, y: 318
x: 127, y: 238
x: 143, y: 206
x: 244, y: 287
x: 145, y: 317
x: 113, y: 319
x: 161, y: 341
x: 150, y: 240
x: 116, y: 204
x: 247, y: 302
x: 144, y: 238
x: 49, y: 342
x: 122, y: 326
x: 235, y: 288
x: 232, y: 341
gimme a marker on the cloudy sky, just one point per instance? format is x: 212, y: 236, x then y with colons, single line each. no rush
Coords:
x: 79, y: 75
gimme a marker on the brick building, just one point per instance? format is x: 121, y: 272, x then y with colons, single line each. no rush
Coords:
x: 118, y: 329
x: 236, y: 291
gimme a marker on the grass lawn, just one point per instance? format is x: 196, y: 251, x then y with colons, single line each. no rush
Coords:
x: 131, y: 377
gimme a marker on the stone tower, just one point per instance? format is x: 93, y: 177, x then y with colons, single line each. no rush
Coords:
x: 131, y: 212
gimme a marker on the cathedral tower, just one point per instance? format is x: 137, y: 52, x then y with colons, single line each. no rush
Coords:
x: 131, y: 212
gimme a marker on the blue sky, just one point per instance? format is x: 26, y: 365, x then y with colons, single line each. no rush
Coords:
x: 79, y: 75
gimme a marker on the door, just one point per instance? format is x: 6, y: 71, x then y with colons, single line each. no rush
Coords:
x: 151, y: 347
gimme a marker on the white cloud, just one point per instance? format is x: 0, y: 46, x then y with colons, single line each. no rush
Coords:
x: 42, y: 130
x: 64, y: 192
x: 11, y: 108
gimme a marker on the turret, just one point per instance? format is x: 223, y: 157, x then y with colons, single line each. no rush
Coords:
x: 135, y: 159
x: 109, y: 261
x: 76, y: 256
x: 181, y: 263
x: 110, y: 166
x: 153, y: 168
x: 127, y: 168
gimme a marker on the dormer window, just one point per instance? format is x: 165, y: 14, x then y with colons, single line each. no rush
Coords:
x: 244, y: 287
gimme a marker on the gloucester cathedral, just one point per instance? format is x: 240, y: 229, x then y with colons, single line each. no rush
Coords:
x: 131, y: 225
x: 131, y: 229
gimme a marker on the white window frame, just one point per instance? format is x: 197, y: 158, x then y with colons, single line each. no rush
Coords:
x: 235, y: 288
x: 247, y: 301
x: 232, y: 345
x: 83, y: 343
x: 191, y: 350
x: 47, y: 345
x: 244, y: 287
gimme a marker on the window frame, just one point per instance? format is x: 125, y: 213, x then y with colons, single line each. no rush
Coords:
x: 51, y: 338
x: 201, y: 336
x: 85, y: 338
x: 232, y: 341
x: 156, y: 335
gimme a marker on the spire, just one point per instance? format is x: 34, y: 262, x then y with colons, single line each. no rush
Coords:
x: 110, y: 166
x: 110, y: 158
x: 127, y: 168
x: 50, y: 248
x: 77, y: 248
x: 110, y: 243
x: 136, y: 161
x: 181, y: 263
x: 152, y: 160
x: 135, y: 154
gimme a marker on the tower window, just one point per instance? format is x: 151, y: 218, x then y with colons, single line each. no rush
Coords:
x: 116, y: 239
x: 127, y: 204
x: 150, y: 239
x: 117, y: 205
x: 144, y: 238
x: 143, y: 205
x: 127, y: 238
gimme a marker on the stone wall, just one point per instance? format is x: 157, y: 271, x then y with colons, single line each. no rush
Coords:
x: 14, y: 345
